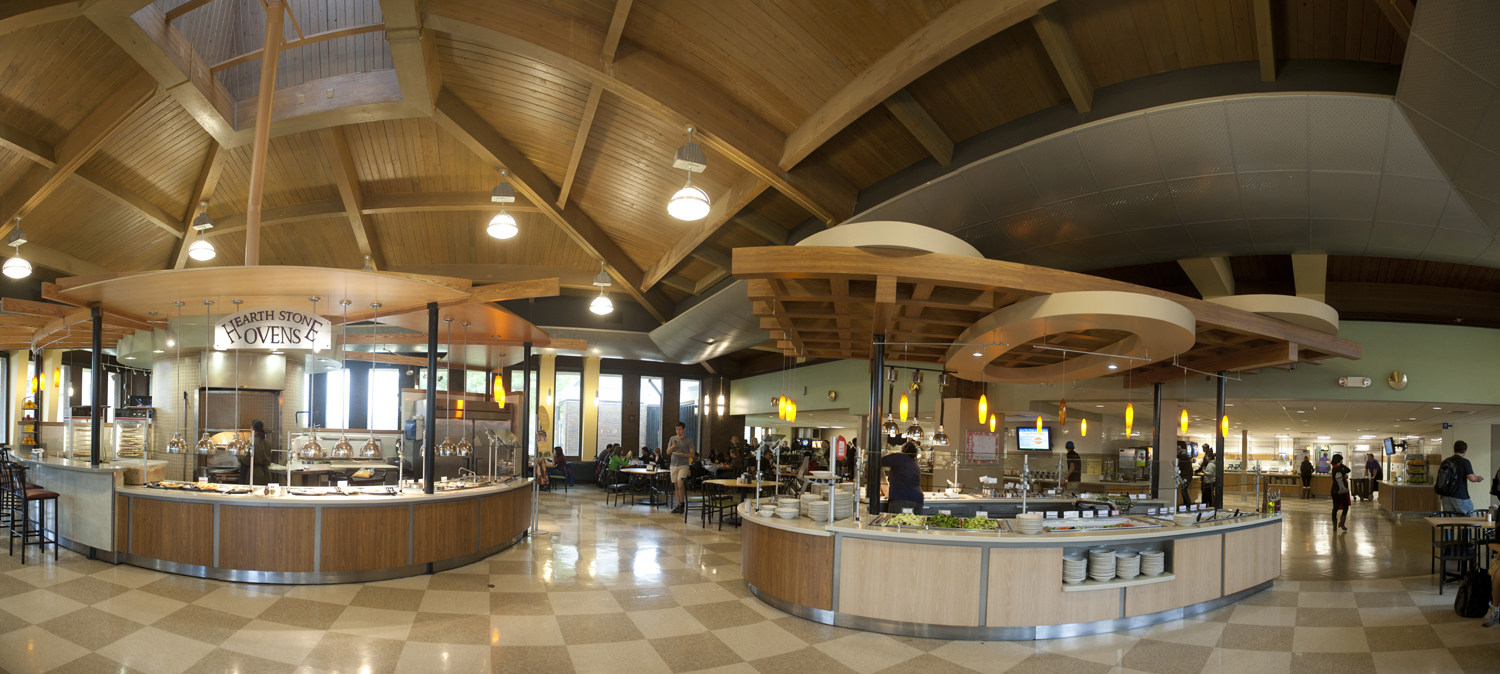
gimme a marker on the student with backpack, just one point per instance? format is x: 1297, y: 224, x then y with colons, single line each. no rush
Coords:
x: 1453, y: 478
x: 1340, y: 492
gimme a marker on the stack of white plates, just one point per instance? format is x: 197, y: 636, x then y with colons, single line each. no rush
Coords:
x: 1185, y: 519
x: 1127, y: 565
x: 787, y: 513
x: 1153, y: 563
x: 767, y: 511
x: 1102, y: 564
x: 1028, y: 523
x: 1075, y: 569
x: 805, y: 501
x: 818, y: 510
x: 821, y: 474
x: 843, y: 504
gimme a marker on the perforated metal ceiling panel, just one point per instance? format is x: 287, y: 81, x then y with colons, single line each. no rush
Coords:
x: 1260, y: 174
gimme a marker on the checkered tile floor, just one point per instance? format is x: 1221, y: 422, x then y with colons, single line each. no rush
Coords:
x: 622, y: 590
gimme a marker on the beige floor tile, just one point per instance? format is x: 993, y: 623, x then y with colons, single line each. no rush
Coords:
x: 525, y: 631
x: 91, y: 628
x: 516, y: 583
x: 598, y: 628
x: 1230, y: 661
x: 374, y: 622
x: 737, y: 668
x: 1382, y: 585
x: 1184, y: 632
x: 93, y: 663
x: 770, y: 612
x: 694, y: 652
x: 38, y: 606
x: 867, y: 652
x: 156, y: 652
x: 1325, y: 600
x: 668, y: 622
x: 421, y: 658
x: 584, y: 603
x: 468, y: 603
x: 243, y: 601
x: 1332, y: 663
x: 1106, y: 649
x: 1257, y: 638
x: 520, y: 603
x: 88, y: 590
x: 408, y: 583
x: 988, y: 657
x: 274, y: 641
x: 633, y: 657
x: 1436, y: 661
x: 1279, y: 616
x: 33, y: 650
x: 1466, y: 633
x: 450, y: 628
x: 331, y: 594
x: 760, y: 640
x: 220, y: 661
x: 142, y: 607
x: 700, y: 593
x: 1329, y: 640
x: 43, y: 575
x: 1391, y: 617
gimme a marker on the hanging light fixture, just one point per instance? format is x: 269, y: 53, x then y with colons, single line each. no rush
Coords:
x: 371, y: 448
x: 201, y: 249
x: 313, y: 449
x: 503, y: 225
x: 342, y: 449
x: 689, y: 203
x: 1224, y: 426
x: 984, y: 406
x: 602, y: 304
x: 1083, y: 427
x: 205, y: 443
x: 466, y: 448
x: 1062, y: 412
x: 721, y: 400
x: 16, y: 267
x: 236, y: 445
x: 992, y: 423
x: 904, y: 407
x: 1038, y: 422
x: 792, y: 413
x: 1129, y: 418
x: 781, y: 408
x: 1184, y: 421
x: 177, y: 445
x: 940, y: 438
x: 447, y: 448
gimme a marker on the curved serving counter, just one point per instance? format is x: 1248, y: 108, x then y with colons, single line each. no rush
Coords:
x: 1005, y: 586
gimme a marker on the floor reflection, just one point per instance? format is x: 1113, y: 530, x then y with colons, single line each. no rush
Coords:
x: 1377, y: 544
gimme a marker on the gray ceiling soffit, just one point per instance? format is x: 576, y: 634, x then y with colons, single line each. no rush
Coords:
x: 1247, y: 175
x: 1450, y: 94
x: 721, y: 323
x: 609, y: 344
x: 1174, y: 86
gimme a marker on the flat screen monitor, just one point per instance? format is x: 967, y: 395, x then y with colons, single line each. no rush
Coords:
x: 1390, y: 446
x: 1033, y: 439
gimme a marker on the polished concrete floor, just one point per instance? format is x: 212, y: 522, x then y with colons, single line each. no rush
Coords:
x: 621, y: 590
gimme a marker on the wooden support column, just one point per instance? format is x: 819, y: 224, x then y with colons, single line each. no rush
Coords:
x: 916, y: 119
x: 1049, y: 27
x: 1265, y: 43
x: 275, y: 9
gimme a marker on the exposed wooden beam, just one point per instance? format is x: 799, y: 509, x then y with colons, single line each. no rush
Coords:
x: 1049, y: 26
x: 458, y: 119
x: 413, y: 53
x: 26, y: 145
x: 581, y: 139
x: 1400, y: 13
x: 184, y: 8
x: 56, y: 260
x: 336, y: 146
x: 18, y: 14
x: 23, y: 321
x: 119, y: 194
x: 203, y: 191
x: 39, y: 182
x: 957, y: 29
x: 710, y: 280
x: 504, y: 273
x: 763, y: 227
x: 1211, y: 275
x: 724, y: 207
x: 259, y: 148
x: 679, y: 282
x: 713, y: 257
x: 312, y: 210
x: 311, y: 39
x: 914, y: 117
x: 331, y: 101
x: 515, y: 290
x: 47, y: 310
x: 1265, y: 40
x: 616, y: 29
x: 646, y: 80
x: 425, y: 202
x: 1270, y: 355
x: 420, y: 339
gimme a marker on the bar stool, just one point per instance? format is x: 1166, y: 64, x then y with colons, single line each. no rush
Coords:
x: 7, y: 493
x: 22, y: 495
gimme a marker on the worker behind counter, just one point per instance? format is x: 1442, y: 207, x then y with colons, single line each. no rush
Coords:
x: 905, y: 480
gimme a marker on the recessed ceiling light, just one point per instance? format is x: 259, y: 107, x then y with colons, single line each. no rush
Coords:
x: 1437, y: 408
x: 157, y: 351
x: 1324, y: 437
x: 1098, y: 406
x: 1112, y: 366
x: 977, y: 354
x: 1301, y: 412
x: 130, y: 358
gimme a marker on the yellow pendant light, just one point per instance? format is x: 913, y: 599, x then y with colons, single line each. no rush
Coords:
x: 781, y: 407
x: 1083, y: 427
x: 1039, y: 423
x: 992, y: 423
x: 1224, y: 426
x: 791, y: 414
x: 905, y: 409
x: 1184, y: 421
x: 56, y: 377
x: 1129, y: 418
x: 984, y: 406
x: 1062, y: 412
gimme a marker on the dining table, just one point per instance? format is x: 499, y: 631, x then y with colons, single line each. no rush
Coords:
x: 659, y: 496
x: 743, y: 490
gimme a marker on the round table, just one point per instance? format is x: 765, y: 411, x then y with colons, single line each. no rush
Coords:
x: 736, y: 484
x: 655, y: 499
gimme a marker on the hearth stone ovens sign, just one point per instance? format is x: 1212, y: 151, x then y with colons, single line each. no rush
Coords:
x: 274, y: 328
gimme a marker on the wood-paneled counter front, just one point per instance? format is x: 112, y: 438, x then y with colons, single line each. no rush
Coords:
x: 316, y: 539
x: 1005, y: 586
x: 1410, y: 498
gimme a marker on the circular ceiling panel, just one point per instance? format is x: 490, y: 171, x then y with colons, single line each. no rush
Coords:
x: 892, y: 234
x: 1308, y: 313
x: 1153, y: 329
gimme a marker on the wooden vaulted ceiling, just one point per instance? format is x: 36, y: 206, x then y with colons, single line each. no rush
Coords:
x: 799, y: 104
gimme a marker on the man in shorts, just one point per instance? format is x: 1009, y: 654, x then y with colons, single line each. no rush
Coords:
x: 682, y: 451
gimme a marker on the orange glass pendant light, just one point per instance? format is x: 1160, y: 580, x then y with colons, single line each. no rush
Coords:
x: 1184, y: 421
x: 1039, y: 423
x: 1062, y: 412
x: 1129, y: 418
x: 905, y: 409
x: 1224, y: 426
x: 1083, y: 427
x: 984, y: 406
x: 992, y: 423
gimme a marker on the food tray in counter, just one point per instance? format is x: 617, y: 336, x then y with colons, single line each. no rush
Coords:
x: 1097, y: 524
x: 940, y: 522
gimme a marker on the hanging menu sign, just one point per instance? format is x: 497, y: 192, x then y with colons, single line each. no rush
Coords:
x: 273, y: 328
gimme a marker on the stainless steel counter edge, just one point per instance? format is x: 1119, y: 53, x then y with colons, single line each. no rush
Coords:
x: 331, y: 501
x: 80, y: 466
x: 849, y: 527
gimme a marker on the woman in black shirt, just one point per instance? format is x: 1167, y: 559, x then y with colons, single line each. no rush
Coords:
x: 1307, y: 472
x: 1340, y: 492
x: 906, y: 480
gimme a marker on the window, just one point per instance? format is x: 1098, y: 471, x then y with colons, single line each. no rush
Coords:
x: 611, y: 388
x: 88, y: 387
x: 517, y: 385
x: 384, y: 403
x: 651, y: 389
x: 336, y: 399
x: 476, y: 381
x: 689, y: 392
x: 442, y: 381
x: 567, y: 420
x: 114, y: 397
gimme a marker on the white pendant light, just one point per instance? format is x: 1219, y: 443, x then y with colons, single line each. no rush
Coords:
x: 689, y: 203
x: 16, y: 267
x: 202, y: 250
x: 602, y: 304
x: 503, y: 225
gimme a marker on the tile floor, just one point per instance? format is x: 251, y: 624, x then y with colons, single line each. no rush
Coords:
x: 623, y: 590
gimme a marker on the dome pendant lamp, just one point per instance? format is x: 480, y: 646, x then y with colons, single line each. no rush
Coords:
x: 200, y: 249
x: 503, y: 225
x: 16, y: 267
x: 602, y: 304
x: 689, y: 203
x: 1039, y: 423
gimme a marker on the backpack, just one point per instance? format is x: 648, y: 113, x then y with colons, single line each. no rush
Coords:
x: 1447, y: 479
x: 1473, y: 597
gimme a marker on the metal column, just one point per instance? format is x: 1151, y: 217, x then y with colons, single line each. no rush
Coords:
x: 1218, y: 499
x: 1156, y: 448
x: 96, y: 417
x: 874, y: 439
x: 525, y: 469
x: 429, y: 454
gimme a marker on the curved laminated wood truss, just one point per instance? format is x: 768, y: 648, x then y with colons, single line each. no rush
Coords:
x: 822, y: 302
x: 393, y: 118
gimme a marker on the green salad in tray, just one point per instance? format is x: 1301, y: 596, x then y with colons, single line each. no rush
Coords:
x: 905, y: 520
x: 945, y: 521
x: 981, y: 522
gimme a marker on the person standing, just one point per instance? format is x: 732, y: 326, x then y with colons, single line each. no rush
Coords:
x: 683, y: 453
x: 1340, y: 492
x: 1184, y: 473
x: 260, y: 454
x: 1306, y: 469
x: 1210, y: 472
x: 905, y: 481
x: 1075, y: 467
x: 1457, y: 497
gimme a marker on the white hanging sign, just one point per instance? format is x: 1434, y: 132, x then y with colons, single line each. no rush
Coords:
x: 273, y: 328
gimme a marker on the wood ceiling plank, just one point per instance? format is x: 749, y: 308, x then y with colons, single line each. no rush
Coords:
x: 313, y: 210
x: 1049, y: 26
x: 710, y: 280
x: 762, y: 226
x: 130, y: 200
x: 713, y: 257
x: 461, y: 121
x: 45, y: 310
x: 336, y: 147
x: 915, y: 118
x: 20, y: 14
x: 420, y: 202
x: 581, y: 140
x: 1271, y: 355
x: 26, y: 145
x: 719, y: 214
x: 184, y: 8
x: 1399, y: 13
